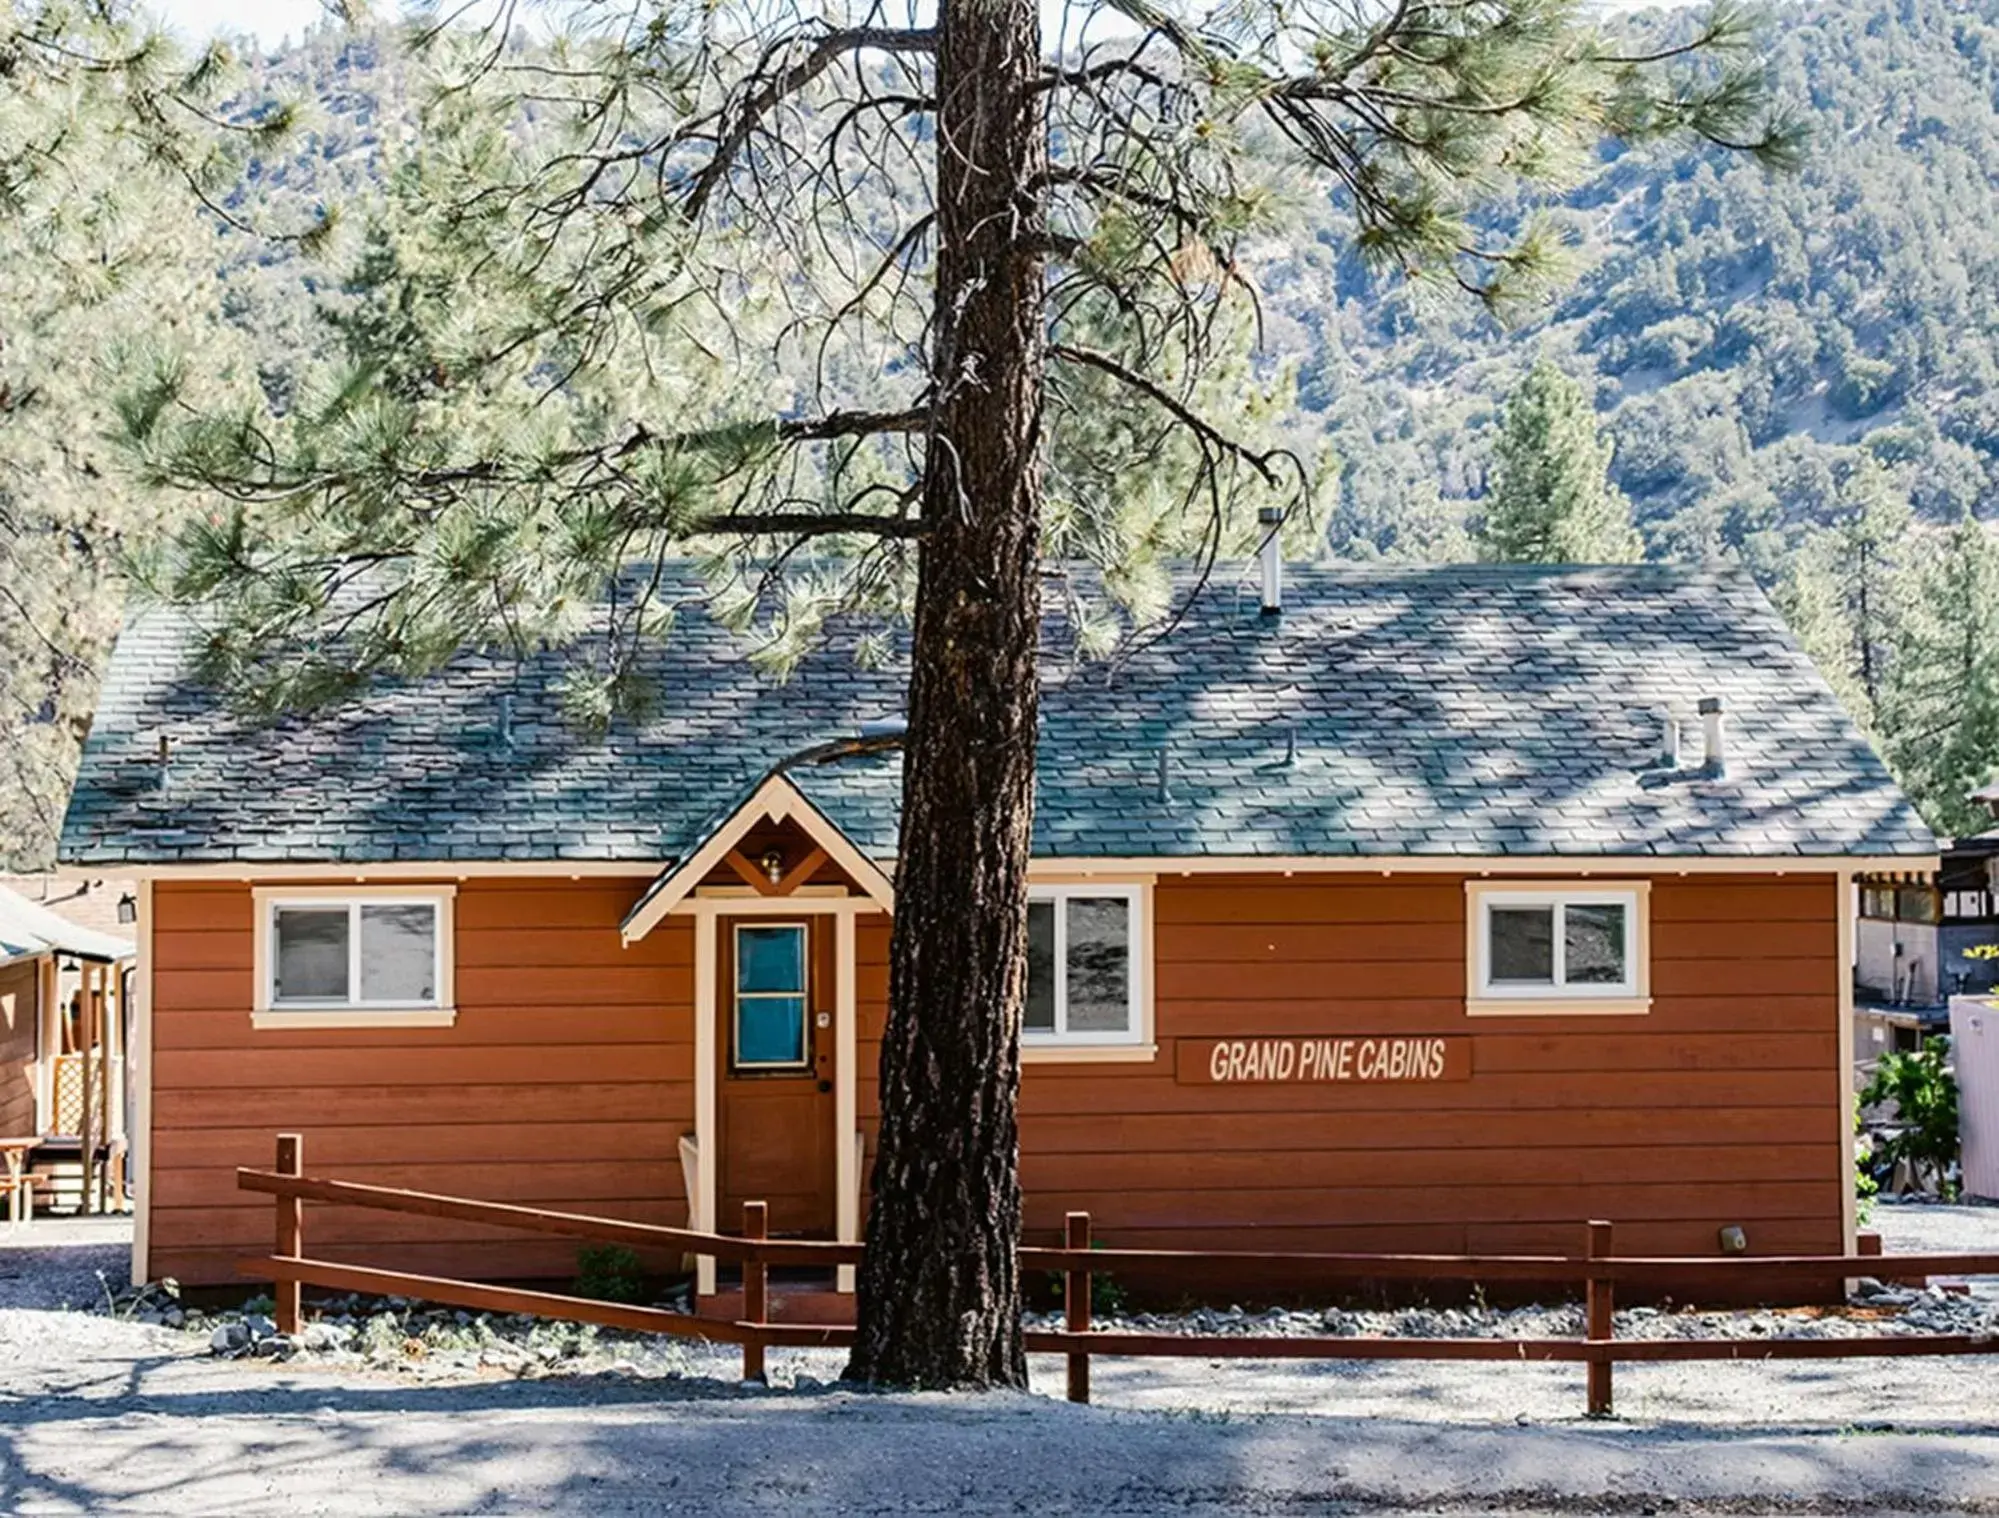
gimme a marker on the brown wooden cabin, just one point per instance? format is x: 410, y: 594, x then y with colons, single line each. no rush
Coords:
x: 63, y: 1008
x: 1398, y: 918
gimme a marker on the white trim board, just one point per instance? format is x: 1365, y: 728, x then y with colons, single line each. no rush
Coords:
x: 1052, y: 866
x: 139, y: 1074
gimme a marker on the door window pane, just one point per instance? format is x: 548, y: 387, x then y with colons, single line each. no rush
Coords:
x: 770, y: 995
x: 311, y: 953
x: 399, y: 953
x: 1099, y: 964
x: 770, y: 1030
x: 770, y: 958
x: 1040, y: 1012
x: 1523, y: 945
x: 1593, y: 945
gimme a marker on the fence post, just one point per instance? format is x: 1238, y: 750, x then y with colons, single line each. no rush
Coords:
x: 290, y: 1233
x: 1599, y: 1305
x: 756, y: 1289
x: 1076, y: 1305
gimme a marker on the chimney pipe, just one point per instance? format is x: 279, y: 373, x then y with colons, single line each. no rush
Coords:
x: 1271, y: 555
x: 1715, y: 736
x: 1669, y: 748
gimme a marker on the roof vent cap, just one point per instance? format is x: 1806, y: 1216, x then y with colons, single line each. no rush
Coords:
x: 1270, y: 556
x: 1714, y: 733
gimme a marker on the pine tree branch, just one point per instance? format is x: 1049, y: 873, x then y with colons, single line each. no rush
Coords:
x: 1128, y: 67
x: 1178, y: 409
x: 761, y: 524
x: 776, y: 88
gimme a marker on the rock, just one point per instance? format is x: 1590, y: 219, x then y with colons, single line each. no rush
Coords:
x: 173, y: 1317
x: 317, y: 1338
x: 228, y: 1338
x: 259, y: 1326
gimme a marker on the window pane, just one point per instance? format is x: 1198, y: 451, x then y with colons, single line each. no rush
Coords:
x: 1040, y: 1012
x: 1099, y: 964
x: 1593, y: 945
x: 311, y: 953
x: 770, y: 1030
x: 771, y: 959
x: 1523, y: 946
x: 399, y: 953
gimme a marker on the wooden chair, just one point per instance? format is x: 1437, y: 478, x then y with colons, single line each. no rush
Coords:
x: 18, y: 1186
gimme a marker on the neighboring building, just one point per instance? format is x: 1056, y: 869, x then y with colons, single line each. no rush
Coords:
x: 1922, y: 939
x: 1395, y: 919
x: 62, y: 1023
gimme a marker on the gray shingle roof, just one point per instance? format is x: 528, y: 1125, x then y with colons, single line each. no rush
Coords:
x: 1470, y: 710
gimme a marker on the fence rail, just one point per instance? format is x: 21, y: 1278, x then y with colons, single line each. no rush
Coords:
x: 1597, y: 1270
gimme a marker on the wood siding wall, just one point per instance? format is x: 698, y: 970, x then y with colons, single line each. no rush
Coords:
x: 20, y: 1012
x: 567, y: 1081
x: 1720, y: 1106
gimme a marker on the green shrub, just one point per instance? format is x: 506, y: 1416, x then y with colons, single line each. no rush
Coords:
x: 1925, y: 1096
x: 609, y: 1273
x: 1865, y: 1186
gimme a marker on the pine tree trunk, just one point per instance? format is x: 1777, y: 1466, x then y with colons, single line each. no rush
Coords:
x: 940, y: 1289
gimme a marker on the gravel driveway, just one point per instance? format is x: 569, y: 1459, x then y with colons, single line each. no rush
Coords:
x: 102, y: 1415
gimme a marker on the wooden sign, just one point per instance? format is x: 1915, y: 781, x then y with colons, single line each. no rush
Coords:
x: 1313, y: 1061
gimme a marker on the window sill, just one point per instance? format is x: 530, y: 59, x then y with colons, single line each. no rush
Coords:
x: 1087, y: 1054
x: 1558, y: 1006
x: 354, y: 1017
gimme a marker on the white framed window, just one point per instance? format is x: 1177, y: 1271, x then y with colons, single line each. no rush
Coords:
x: 377, y: 957
x: 1557, y: 947
x: 1088, y: 973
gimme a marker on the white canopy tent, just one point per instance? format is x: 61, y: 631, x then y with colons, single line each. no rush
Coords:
x: 28, y: 930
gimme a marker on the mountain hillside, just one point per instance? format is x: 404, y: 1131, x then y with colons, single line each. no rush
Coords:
x: 1744, y: 332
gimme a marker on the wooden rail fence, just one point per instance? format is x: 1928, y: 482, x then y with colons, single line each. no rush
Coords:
x: 1597, y: 1270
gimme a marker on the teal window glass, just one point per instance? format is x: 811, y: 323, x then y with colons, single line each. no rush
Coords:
x: 770, y: 995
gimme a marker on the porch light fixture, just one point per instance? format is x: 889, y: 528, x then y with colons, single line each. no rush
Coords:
x: 773, y: 865
x: 128, y: 909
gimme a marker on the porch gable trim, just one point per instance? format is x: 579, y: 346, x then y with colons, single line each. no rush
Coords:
x: 777, y: 799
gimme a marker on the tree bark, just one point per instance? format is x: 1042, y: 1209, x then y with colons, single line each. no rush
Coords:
x: 939, y: 1301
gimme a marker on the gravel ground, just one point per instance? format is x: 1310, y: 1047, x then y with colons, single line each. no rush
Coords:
x: 103, y: 1414
x: 1939, y: 1228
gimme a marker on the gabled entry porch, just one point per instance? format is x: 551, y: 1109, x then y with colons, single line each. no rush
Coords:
x: 774, y: 894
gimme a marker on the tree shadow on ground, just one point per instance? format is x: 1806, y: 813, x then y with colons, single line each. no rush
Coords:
x: 159, y: 1439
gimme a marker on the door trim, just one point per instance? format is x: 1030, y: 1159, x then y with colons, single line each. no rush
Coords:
x: 707, y: 913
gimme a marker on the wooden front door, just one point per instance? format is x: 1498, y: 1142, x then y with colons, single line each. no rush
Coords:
x: 775, y: 1046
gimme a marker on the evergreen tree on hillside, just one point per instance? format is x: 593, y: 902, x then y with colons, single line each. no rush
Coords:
x: 1552, y: 500
x: 1868, y: 562
x: 1942, y: 716
x: 1808, y: 595
x: 1845, y: 592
